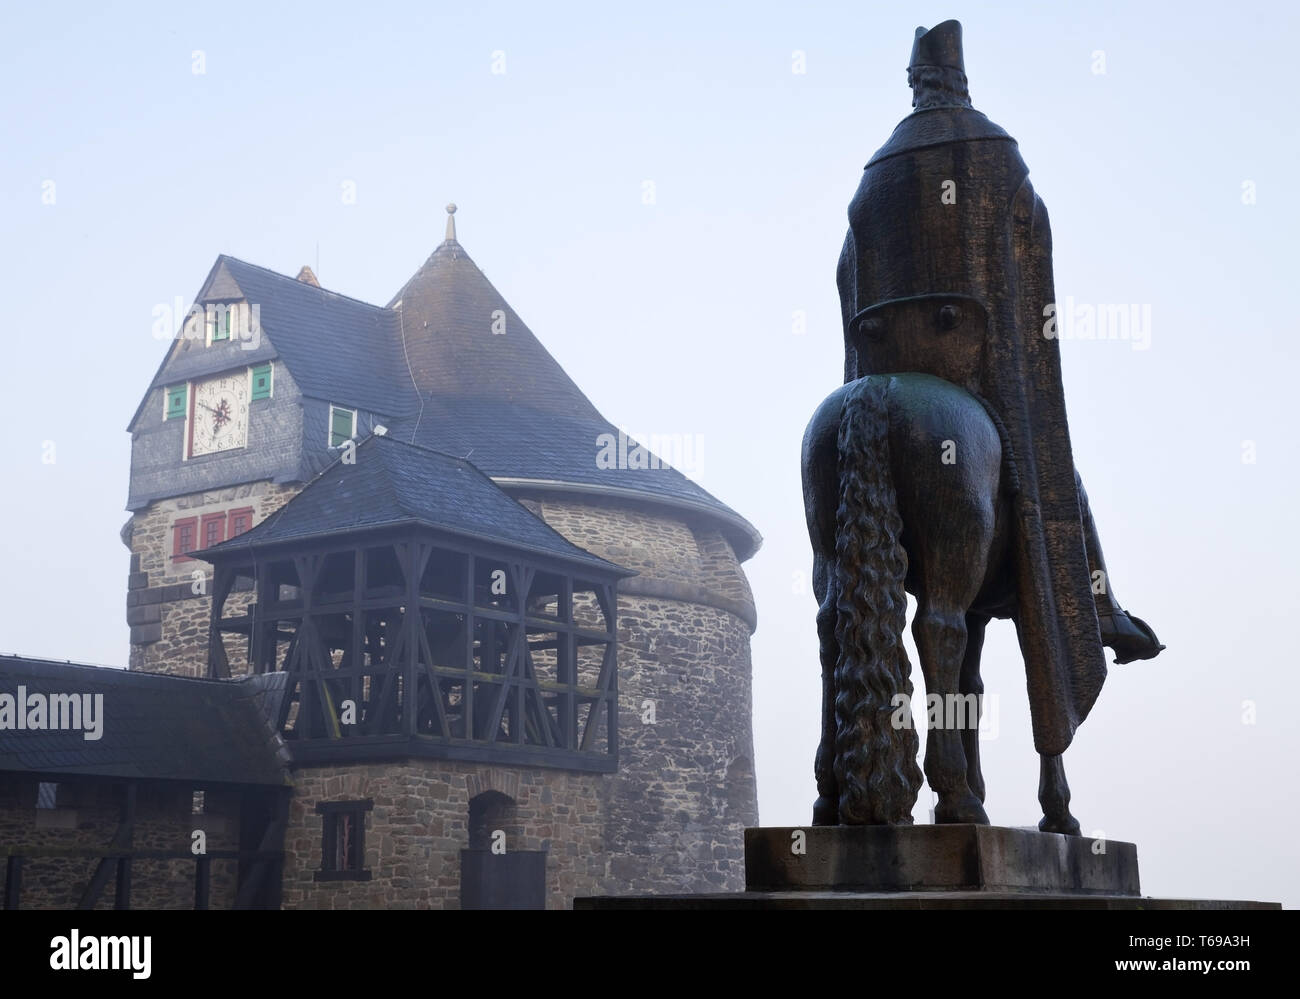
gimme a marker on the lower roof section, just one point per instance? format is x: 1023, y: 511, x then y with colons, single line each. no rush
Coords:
x: 64, y: 720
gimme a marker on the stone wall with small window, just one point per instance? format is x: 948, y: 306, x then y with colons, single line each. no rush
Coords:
x: 417, y: 819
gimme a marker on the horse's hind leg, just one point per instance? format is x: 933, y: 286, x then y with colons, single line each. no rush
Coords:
x: 971, y: 684
x: 940, y: 633
x: 952, y: 522
x: 1054, y: 796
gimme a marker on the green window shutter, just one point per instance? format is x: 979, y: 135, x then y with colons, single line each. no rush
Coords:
x: 341, y: 421
x: 177, y: 399
x: 261, y: 381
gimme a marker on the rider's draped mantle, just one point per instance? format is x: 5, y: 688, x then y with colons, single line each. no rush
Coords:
x: 946, y: 208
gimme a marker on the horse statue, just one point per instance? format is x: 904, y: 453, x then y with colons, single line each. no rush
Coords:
x: 886, y: 515
x: 943, y: 468
x: 909, y: 486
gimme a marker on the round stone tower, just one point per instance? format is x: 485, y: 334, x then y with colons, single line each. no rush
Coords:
x: 676, y: 809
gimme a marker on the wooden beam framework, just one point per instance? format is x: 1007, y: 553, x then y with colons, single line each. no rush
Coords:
x: 416, y: 639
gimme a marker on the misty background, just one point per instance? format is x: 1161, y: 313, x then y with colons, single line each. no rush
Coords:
x: 660, y: 192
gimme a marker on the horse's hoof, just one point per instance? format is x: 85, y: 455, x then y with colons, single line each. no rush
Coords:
x: 1066, y: 825
x: 825, y: 812
x: 966, y: 810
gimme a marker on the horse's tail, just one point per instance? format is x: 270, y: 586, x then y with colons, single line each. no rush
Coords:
x: 875, y: 761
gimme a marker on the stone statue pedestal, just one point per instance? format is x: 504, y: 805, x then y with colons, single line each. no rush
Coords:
x: 927, y: 867
x: 960, y: 858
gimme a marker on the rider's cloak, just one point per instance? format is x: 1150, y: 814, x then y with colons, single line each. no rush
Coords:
x: 945, y: 207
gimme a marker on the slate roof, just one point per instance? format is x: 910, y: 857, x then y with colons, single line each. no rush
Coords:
x: 154, y: 726
x: 432, y: 365
x: 393, y: 483
x: 337, y: 349
x: 504, y: 401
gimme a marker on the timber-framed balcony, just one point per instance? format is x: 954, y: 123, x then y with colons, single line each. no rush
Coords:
x: 412, y: 646
x: 418, y: 610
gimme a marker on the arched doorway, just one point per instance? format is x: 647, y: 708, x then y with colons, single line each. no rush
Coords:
x: 493, y: 874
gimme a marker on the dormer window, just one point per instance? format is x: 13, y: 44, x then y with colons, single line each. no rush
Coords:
x: 343, y: 425
x: 220, y: 321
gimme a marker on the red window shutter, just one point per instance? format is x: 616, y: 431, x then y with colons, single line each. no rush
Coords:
x: 239, y: 521
x: 183, y: 538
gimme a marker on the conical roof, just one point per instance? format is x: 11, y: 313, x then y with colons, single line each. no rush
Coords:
x: 465, y: 341
x: 490, y: 391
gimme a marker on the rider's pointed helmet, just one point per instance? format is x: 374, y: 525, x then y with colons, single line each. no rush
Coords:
x: 938, y: 46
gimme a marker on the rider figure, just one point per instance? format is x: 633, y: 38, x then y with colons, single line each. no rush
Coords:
x: 945, y: 207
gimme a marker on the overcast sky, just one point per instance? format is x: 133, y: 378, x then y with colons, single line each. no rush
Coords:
x: 660, y: 191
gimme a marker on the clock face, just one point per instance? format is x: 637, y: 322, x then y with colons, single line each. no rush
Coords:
x: 220, y: 418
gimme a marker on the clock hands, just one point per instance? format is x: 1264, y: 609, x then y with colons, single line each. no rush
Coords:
x: 220, y: 414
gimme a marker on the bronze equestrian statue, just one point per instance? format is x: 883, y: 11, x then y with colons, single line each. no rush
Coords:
x: 942, y: 467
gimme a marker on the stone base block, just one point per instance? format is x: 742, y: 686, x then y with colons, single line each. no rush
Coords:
x: 955, y: 858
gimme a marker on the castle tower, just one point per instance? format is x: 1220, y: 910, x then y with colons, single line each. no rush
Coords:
x: 270, y: 382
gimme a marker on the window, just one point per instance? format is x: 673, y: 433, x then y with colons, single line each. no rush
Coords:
x: 177, y: 399
x: 343, y: 425
x: 192, y: 533
x: 261, y: 381
x: 47, y: 795
x: 214, y: 529
x: 198, y: 804
x: 184, y: 533
x: 221, y: 321
x: 239, y: 521
x: 343, y: 840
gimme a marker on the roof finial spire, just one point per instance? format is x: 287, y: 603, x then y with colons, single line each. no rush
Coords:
x: 451, y: 222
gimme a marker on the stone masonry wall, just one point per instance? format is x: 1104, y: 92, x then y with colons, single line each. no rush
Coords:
x: 169, y: 621
x: 676, y: 810
x: 420, y: 822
